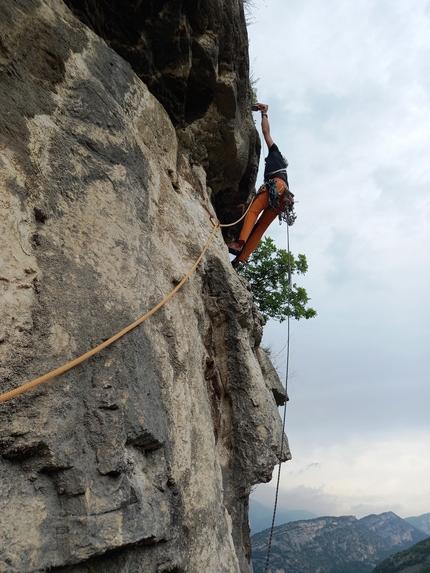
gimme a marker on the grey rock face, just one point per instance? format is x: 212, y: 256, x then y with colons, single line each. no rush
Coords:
x: 271, y: 377
x: 142, y: 458
x: 193, y: 57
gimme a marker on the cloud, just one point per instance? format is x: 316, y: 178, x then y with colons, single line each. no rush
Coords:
x: 349, y: 94
x: 358, y: 478
x: 300, y: 497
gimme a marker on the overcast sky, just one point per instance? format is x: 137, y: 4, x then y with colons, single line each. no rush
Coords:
x: 348, y: 88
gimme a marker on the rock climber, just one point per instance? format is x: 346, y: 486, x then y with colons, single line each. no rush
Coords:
x: 272, y: 199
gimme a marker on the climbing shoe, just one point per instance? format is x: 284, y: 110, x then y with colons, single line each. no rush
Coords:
x: 236, y: 247
x: 235, y: 263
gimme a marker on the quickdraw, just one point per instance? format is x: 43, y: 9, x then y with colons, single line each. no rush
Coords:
x: 289, y: 215
x: 273, y: 193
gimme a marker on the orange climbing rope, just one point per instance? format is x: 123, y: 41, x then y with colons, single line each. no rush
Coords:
x: 25, y: 387
x: 76, y: 361
x: 238, y: 221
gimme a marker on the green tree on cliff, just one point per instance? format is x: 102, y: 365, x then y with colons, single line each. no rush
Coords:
x: 268, y: 271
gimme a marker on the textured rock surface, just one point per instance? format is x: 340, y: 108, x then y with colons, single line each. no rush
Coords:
x: 142, y: 458
x: 271, y: 377
x: 193, y: 56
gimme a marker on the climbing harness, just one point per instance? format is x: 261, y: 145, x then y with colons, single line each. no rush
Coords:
x: 285, y: 204
x: 284, y: 417
x: 282, y: 170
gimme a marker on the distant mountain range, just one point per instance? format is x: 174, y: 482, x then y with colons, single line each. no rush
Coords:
x: 260, y: 517
x: 334, y: 544
x: 416, y: 559
x: 421, y: 522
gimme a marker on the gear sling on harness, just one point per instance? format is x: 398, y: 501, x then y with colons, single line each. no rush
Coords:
x: 273, y: 193
x: 284, y: 203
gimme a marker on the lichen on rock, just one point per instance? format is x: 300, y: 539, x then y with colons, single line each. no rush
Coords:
x: 143, y: 457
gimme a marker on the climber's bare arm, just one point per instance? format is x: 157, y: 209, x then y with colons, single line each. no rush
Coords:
x: 265, y: 127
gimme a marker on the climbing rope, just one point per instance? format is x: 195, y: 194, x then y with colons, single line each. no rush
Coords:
x: 76, y: 361
x: 284, y: 418
x: 223, y: 225
x: 289, y: 219
x: 25, y: 387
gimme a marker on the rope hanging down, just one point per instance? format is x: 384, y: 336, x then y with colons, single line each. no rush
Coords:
x: 284, y: 418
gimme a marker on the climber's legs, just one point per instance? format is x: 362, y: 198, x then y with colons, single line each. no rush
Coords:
x: 264, y: 221
x: 253, y: 230
x: 260, y: 203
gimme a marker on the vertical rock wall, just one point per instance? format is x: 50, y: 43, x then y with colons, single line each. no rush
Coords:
x: 193, y: 57
x: 142, y: 458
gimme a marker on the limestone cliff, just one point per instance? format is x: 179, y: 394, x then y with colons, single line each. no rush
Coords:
x: 121, y: 125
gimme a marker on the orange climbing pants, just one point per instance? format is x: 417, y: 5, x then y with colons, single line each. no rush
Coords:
x: 253, y: 230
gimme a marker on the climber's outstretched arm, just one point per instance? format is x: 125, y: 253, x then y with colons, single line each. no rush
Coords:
x: 265, y: 127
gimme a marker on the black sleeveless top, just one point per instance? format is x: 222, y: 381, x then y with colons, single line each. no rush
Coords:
x: 275, y: 161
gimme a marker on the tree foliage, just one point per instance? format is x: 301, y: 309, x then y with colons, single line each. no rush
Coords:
x: 268, y: 272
